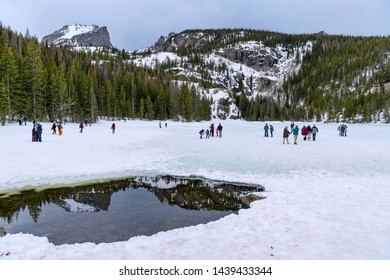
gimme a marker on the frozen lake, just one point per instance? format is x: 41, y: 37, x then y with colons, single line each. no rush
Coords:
x: 327, y: 199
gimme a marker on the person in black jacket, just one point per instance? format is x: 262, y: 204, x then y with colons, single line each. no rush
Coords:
x: 220, y: 130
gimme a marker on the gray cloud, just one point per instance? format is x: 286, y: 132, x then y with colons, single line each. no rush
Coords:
x: 137, y: 24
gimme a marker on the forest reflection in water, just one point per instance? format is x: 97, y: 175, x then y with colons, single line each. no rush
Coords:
x: 116, y: 210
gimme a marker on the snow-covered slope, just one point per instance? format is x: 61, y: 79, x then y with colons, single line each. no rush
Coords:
x: 248, y: 67
x: 78, y: 35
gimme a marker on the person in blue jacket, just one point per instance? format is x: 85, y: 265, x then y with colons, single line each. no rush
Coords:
x: 295, y: 132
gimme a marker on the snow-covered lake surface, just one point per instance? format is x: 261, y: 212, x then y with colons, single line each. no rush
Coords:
x: 328, y: 199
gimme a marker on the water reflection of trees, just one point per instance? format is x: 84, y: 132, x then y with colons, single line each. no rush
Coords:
x: 188, y: 193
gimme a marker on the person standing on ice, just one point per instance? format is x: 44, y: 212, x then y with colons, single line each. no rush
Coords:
x: 54, y: 128
x: 60, y: 129
x: 295, y: 132
x: 220, y: 130
x: 286, y: 134
x: 81, y: 126
x: 271, y: 129
x: 314, y: 131
x: 212, y: 130
x: 34, y: 132
x: 304, y: 132
x: 113, y: 128
x: 39, y: 132
x: 207, y: 133
x: 266, y: 128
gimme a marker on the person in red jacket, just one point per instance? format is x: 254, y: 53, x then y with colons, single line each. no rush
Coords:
x: 81, y: 126
x: 304, y: 132
x: 113, y: 128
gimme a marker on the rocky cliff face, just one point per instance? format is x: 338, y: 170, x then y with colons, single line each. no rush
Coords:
x: 80, y: 36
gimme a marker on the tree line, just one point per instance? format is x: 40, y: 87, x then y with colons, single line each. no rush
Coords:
x: 49, y: 83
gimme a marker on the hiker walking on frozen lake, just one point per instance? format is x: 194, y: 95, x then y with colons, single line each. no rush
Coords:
x: 220, y: 130
x: 304, y: 132
x: 60, y: 129
x: 113, y: 128
x: 295, y: 132
x: 81, y: 126
x: 286, y: 134
x: 314, y: 131
x: 54, y: 128
x: 39, y: 131
x: 212, y: 130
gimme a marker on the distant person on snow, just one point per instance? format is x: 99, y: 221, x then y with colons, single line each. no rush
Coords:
x: 309, y: 132
x: 271, y: 129
x: 113, y: 128
x: 34, y: 132
x: 54, y: 128
x: 201, y: 133
x: 266, y: 128
x: 295, y: 132
x: 81, y: 126
x: 314, y: 131
x: 39, y: 132
x: 304, y: 132
x: 207, y: 133
x: 286, y: 134
x: 219, y: 130
x: 212, y: 130
x: 60, y: 129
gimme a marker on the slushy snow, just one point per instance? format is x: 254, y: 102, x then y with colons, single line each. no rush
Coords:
x: 327, y: 199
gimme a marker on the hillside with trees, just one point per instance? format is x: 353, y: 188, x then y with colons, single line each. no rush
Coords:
x: 266, y: 75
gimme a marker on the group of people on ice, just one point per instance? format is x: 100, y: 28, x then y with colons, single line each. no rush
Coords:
x: 55, y: 126
x: 270, y: 128
x: 342, y: 130
x: 307, y: 133
x: 210, y: 131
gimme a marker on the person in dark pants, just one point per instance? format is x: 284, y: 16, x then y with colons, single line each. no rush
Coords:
x: 220, y: 130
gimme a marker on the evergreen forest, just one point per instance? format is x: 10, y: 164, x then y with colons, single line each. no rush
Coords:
x: 341, y: 78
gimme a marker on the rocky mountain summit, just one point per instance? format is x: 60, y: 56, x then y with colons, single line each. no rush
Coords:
x: 79, y: 35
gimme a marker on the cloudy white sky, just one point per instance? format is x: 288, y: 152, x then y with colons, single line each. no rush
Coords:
x: 137, y: 24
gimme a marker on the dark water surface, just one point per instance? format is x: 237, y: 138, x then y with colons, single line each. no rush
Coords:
x: 119, y: 209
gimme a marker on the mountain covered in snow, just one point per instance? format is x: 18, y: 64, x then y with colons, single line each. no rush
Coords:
x: 79, y: 35
x: 225, y: 65
x: 260, y: 75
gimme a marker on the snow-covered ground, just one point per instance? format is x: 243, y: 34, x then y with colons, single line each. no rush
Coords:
x: 328, y: 199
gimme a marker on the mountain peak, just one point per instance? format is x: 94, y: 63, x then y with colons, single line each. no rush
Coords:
x: 80, y: 35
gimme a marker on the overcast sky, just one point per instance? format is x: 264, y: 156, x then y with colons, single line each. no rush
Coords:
x: 137, y: 24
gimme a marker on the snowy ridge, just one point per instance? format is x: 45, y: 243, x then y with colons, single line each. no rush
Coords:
x: 80, y: 35
x: 225, y: 75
